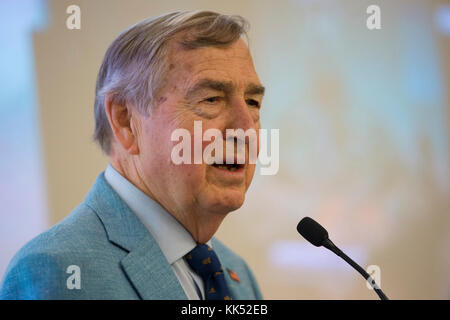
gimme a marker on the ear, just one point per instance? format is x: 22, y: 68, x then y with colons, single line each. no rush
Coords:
x: 119, y: 117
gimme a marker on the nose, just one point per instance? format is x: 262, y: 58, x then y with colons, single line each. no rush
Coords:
x: 240, y: 115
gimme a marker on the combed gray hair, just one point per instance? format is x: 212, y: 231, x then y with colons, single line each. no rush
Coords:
x: 135, y: 63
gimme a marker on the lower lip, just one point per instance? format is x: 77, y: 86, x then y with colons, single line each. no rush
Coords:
x: 238, y: 173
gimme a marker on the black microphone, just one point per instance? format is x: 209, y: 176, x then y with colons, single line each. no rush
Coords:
x: 318, y: 236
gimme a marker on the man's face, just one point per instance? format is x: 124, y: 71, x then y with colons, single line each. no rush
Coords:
x: 220, y: 88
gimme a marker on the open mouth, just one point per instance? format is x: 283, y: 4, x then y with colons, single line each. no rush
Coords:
x: 230, y: 167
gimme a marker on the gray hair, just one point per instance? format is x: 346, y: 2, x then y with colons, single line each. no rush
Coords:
x: 135, y: 63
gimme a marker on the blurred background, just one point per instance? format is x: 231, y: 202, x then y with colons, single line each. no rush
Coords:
x: 364, y: 135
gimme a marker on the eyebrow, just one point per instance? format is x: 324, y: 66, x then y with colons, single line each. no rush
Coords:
x: 223, y: 86
x: 253, y: 88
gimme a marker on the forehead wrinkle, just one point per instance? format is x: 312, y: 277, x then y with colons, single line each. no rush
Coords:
x: 208, y: 83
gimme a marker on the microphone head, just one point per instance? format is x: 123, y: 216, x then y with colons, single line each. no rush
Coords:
x: 312, y: 231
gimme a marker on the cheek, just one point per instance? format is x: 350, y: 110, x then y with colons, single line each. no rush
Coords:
x: 187, y: 179
x: 250, y: 174
x: 257, y: 142
x: 155, y: 149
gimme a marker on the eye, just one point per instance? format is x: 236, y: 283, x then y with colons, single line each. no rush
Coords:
x: 253, y: 103
x: 212, y: 99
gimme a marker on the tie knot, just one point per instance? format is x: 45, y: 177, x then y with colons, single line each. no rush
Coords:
x: 204, y: 261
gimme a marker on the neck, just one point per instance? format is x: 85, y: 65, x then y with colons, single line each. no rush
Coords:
x: 203, y: 227
x: 200, y: 223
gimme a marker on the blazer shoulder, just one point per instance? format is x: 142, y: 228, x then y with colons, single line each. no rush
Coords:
x: 80, y: 230
x: 38, y: 269
x: 33, y: 276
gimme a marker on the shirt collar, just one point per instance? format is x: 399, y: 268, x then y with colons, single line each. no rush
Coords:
x: 173, y: 239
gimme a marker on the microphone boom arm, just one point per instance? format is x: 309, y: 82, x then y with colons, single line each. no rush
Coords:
x: 332, y: 247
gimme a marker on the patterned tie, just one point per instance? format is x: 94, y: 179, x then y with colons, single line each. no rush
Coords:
x: 205, y: 262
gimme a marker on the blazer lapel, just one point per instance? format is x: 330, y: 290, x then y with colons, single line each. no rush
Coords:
x: 151, y: 274
x: 145, y: 265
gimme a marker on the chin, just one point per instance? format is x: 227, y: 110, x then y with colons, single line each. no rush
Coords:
x: 226, y: 202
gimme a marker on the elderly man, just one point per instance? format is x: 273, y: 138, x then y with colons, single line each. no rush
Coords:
x: 145, y: 229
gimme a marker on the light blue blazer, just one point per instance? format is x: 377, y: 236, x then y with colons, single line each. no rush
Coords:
x: 116, y: 255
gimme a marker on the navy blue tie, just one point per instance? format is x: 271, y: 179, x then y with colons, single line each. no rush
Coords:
x: 204, y: 261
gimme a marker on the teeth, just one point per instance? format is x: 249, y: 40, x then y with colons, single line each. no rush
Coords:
x: 221, y: 166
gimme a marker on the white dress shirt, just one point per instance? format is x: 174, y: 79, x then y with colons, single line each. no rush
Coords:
x: 173, y: 239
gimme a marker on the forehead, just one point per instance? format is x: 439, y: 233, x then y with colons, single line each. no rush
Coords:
x: 232, y: 63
